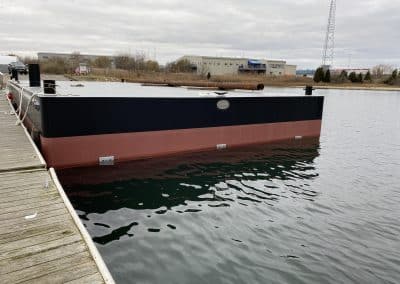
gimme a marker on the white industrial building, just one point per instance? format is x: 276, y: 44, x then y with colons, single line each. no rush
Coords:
x: 232, y: 66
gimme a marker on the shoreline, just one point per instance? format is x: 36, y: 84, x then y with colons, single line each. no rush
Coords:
x: 361, y: 87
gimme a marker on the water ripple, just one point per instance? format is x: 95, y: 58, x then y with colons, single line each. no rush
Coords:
x: 298, y: 212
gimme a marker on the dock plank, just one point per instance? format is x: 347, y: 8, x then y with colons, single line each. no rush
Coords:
x: 26, y: 260
x: 89, y: 279
x: 16, y: 151
x: 26, y: 212
x: 31, y: 232
x: 40, y: 240
x: 46, y: 268
x: 38, y: 246
x: 72, y: 273
x: 34, y: 223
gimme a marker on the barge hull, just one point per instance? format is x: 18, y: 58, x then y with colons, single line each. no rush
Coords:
x: 66, y: 152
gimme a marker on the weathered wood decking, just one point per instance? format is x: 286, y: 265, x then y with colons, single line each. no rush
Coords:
x: 16, y: 151
x: 41, y: 240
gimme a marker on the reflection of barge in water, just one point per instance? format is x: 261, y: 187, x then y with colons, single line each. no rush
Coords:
x: 107, y: 122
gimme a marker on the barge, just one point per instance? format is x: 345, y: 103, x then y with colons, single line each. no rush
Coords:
x: 94, y: 123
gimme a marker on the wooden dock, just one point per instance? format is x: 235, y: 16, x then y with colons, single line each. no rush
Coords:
x: 41, y: 238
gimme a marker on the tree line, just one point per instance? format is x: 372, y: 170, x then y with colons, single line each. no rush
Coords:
x: 125, y: 61
x: 377, y: 75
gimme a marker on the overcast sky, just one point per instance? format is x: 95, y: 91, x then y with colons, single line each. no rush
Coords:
x: 367, y: 31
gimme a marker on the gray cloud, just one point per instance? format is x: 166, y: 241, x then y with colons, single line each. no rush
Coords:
x: 367, y: 30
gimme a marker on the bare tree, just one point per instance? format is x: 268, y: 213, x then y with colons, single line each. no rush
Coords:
x: 124, y: 61
x: 152, y: 66
x: 28, y: 59
x: 180, y: 66
x: 75, y: 58
x: 102, y: 62
x: 381, y: 69
x: 140, y: 59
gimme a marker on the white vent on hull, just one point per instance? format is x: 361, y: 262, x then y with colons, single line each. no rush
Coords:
x: 221, y: 146
x: 106, y: 161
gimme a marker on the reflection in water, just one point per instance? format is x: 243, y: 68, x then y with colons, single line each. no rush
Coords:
x: 196, y: 197
x: 299, y: 212
x: 214, y: 179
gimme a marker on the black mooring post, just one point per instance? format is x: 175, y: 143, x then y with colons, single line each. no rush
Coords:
x: 14, y: 74
x: 49, y: 87
x: 34, y: 75
x: 309, y: 90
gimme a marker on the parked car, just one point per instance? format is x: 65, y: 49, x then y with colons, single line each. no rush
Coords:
x: 19, y: 66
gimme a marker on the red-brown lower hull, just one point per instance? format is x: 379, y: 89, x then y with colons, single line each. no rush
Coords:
x: 66, y: 152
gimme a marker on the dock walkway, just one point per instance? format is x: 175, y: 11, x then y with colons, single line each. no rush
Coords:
x: 41, y: 237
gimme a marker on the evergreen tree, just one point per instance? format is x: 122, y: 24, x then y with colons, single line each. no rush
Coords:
x: 343, y: 77
x: 319, y: 75
x: 353, y: 77
x: 368, y: 76
x: 327, y: 77
x: 360, y: 78
x: 394, y: 74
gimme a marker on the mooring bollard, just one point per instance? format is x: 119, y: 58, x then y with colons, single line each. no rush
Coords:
x: 14, y: 74
x: 34, y: 75
x: 309, y: 90
x: 49, y: 87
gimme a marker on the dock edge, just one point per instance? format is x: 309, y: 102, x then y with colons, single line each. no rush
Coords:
x: 105, y: 273
x: 35, y: 148
x: 103, y: 270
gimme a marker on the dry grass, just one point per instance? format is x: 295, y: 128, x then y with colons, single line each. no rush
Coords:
x: 131, y: 76
x: 273, y: 81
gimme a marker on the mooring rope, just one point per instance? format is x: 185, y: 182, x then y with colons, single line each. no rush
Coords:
x: 19, y: 121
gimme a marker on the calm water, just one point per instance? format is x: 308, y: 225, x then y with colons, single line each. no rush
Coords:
x: 307, y: 211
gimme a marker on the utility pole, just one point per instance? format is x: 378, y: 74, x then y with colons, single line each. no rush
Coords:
x: 329, y: 45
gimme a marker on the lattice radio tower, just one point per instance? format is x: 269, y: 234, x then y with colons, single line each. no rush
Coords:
x: 329, y: 46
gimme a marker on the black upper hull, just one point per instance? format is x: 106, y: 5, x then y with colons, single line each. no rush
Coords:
x: 63, y: 117
x: 79, y: 116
